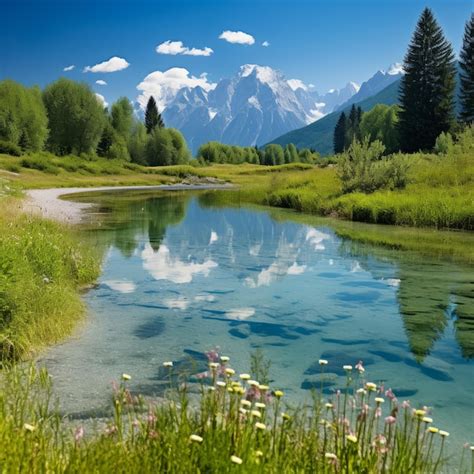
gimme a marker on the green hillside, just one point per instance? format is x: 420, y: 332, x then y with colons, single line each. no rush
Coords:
x: 319, y: 135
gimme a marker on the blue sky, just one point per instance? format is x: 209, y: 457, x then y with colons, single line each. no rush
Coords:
x: 323, y: 42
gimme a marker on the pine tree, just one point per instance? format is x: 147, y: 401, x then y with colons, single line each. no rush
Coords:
x: 466, y: 76
x: 340, y: 134
x: 153, y: 118
x: 427, y: 88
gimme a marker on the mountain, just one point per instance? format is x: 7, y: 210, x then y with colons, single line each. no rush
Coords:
x: 251, y: 108
x: 379, y: 81
x: 319, y: 135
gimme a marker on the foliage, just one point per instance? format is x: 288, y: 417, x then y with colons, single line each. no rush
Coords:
x: 76, y: 118
x: 340, y: 134
x: 23, y: 120
x: 121, y: 117
x: 381, y: 123
x: 352, y: 128
x: 363, y: 169
x: 137, y: 143
x: 444, y: 144
x: 166, y: 146
x: 274, y: 155
x: 466, y: 76
x: 153, y: 117
x: 291, y: 154
x: 427, y: 88
x: 215, y: 152
x: 9, y: 148
x: 234, y: 424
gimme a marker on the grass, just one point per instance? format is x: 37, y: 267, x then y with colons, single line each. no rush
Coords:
x: 233, y: 424
x: 42, y: 266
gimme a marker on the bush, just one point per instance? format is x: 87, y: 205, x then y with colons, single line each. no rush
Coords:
x: 9, y: 148
x: 39, y: 163
x: 363, y: 168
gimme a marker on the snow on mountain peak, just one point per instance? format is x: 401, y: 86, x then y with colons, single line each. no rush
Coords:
x: 296, y: 84
x: 353, y: 85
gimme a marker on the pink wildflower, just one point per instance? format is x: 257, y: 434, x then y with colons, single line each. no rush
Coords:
x: 360, y: 367
x: 389, y: 394
x: 378, y: 412
x: 79, y: 433
x: 406, y: 404
x: 390, y: 420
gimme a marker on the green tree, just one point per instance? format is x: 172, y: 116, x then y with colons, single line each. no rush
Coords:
x: 340, y: 134
x: 427, y: 88
x: 466, y: 75
x: 121, y: 117
x: 274, y: 155
x: 23, y: 120
x: 76, y: 118
x: 166, y: 146
x: 381, y: 123
x: 137, y: 143
x: 291, y: 154
x: 153, y: 118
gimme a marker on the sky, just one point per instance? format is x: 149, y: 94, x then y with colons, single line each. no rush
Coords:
x: 322, y: 42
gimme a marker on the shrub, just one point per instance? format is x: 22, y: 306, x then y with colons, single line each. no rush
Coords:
x: 39, y: 163
x: 9, y: 148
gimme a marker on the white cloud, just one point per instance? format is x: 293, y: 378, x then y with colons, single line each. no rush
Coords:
x: 177, y: 303
x: 122, y: 286
x: 296, y: 269
x: 69, y: 68
x: 240, y: 313
x: 164, y: 86
x: 162, y: 266
x: 102, y: 100
x: 265, y: 44
x: 101, y: 82
x: 316, y: 238
x: 177, y: 47
x: 111, y: 65
x: 214, y: 237
x: 208, y: 298
x: 237, y: 37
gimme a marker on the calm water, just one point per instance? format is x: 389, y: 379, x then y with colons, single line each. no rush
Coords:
x: 181, y: 276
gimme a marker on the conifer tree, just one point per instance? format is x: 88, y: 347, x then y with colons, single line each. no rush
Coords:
x: 153, y: 118
x: 340, y: 134
x: 427, y: 88
x: 466, y: 75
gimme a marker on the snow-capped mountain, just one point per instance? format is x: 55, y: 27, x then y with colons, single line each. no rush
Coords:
x: 251, y: 108
x: 380, y: 80
x: 335, y: 97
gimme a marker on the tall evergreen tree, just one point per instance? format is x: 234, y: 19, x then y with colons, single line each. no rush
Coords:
x: 427, y: 88
x: 153, y: 118
x: 340, y: 134
x: 466, y: 63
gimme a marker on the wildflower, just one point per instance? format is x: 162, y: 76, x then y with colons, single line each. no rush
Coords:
x: 195, y: 438
x: 432, y: 429
x: 79, y: 433
x: 258, y: 454
x: 420, y: 413
x: 29, y: 427
x: 260, y: 405
x: 245, y: 403
x: 278, y: 393
x: 472, y: 448
x: 360, y: 367
x: 229, y: 371
x: 243, y: 411
x: 406, y: 404
x: 361, y: 391
x: 427, y: 419
x: 263, y: 388
x: 239, y: 390
x: 168, y: 364
x: 378, y: 412
x: 230, y: 389
x: 256, y: 414
x: 151, y: 418
x: 390, y: 395
x: 126, y: 377
x: 244, y: 376
x: 236, y: 460
x: 260, y: 426
x: 371, y: 386
x: 352, y: 438
x: 329, y: 405
x: 225, y: 359
x: 443, y: 433
x: 323, y: 362
x: 330, y: 456
x: 379, y: 400
x: 285, y: 416
x: 213, y: 365
x: 390, y: 420
x: 220, y: 383
x: 253, y: 383
x: 211, y: 389
x: 347, y: 367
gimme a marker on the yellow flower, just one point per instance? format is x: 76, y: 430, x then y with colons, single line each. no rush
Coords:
x: 260, y: 426
x: 432, y: 429
x: 443, y: 433
x: 260, y: 405
x: 371, y: 386
x: 351, y: 438
x: 225, y: 359
x: 323, y: 362
x: 243, y: 411
x: 244, y: 376
x: 278, y: 393
x: 195, y: 438
x: 220, y: 383
x: 258, y: 453
x: 236, y: 459
x: 29, y: 427
x: 379, y: 400
x: 229, y: 371
x: 330, y: 456
x: 168, y: 364
x: 263, y: 388
x: 329, y: 405
x: 213, y: 365
x: 362, y: 391
x: 347, y: 367
x: 126, y: 377
x: 427, y: 419
x: 285, y: 416
x: 239, y: 390
x: 420, y: 413
x: 230, y: 389
x: 253, y: 383
x: 256, y: 414
x: 245, y: 403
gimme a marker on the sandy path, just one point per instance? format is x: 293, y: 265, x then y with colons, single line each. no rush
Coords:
x: 48, y: 202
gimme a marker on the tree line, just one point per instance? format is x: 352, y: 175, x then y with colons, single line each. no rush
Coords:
x: 271, y: 155
x: 427, y: 95
x: 67, y: 118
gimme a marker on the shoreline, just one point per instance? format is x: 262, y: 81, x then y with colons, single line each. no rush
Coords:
x: 49, y: 203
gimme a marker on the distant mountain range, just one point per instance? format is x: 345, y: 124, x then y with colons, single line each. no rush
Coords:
x: 259, y: 104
